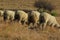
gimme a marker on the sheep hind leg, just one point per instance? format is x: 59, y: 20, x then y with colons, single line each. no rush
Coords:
x: 44, y: 25
x: 20, y: 20
x: 8, y: 19
x: 57, y: 25
x: 25, y: 22
x: 53, y: 25
x: 12, y: 19
x: 30, y: 26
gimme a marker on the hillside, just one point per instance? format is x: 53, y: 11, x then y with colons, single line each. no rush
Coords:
x: 16, y: 31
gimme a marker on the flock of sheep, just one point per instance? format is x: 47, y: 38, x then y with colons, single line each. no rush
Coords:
x: 32, y: 17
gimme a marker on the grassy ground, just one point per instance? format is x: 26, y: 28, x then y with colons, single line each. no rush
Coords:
x: 16, y: 31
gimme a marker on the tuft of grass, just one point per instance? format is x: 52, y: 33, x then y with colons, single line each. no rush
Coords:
x: 53, y: 13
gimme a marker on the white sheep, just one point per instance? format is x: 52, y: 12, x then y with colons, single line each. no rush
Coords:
x: 53, y: 22
x: 9, y: 14
x: 35, y: 17
x: 23, y: 16
x: 49, y: 18
x: 1, y: 12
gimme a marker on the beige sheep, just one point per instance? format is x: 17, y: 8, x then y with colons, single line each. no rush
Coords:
x: 23, y: 16
x: 1, y: 15
x: 1, y: 12
x: 9, y: 14
x: 35, y: 17
x: 49, y: 18
x: 53, y: 22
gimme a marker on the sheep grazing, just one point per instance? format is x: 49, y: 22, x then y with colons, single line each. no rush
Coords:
x: 23, y: 16
x: 49, y: 19
x: 1, y: 13
x: 9, y: 15
x: 53, y: 22
x: 34, y: 17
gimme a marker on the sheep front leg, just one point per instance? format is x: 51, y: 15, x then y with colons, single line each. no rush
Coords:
x: 35, y: 24
x: 44, y: 24
x: 12, y: 18
x: 8, y: 18
x: 20, y: 20
x: 26, y: 21
x: 41, y: 26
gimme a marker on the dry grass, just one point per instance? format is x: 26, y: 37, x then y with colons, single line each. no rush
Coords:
x: 16, y: 31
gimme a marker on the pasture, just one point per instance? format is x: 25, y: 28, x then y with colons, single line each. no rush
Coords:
x: 16, y: 31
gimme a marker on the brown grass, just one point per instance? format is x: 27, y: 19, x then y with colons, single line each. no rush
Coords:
x: 16, y: 31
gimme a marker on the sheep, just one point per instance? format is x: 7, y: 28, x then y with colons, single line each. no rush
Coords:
x: 53, y: 22
x: 34, y: 17
x: 9, y: 15
x: 23, y: 16
x: 1, y: 13
x: 48, y: 18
